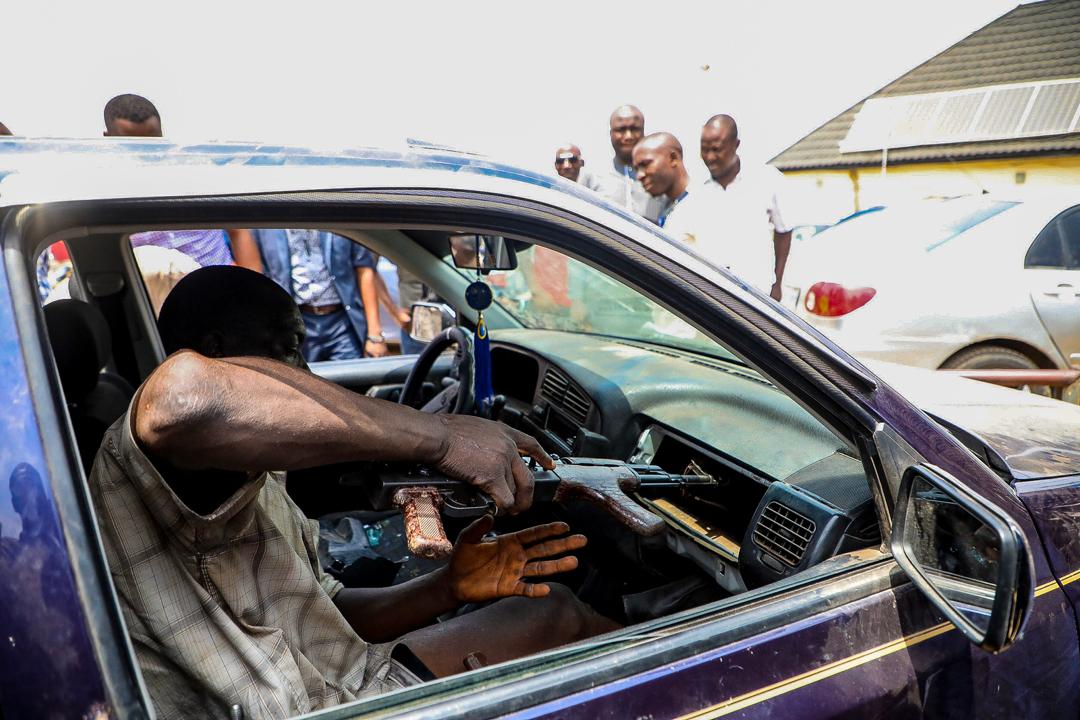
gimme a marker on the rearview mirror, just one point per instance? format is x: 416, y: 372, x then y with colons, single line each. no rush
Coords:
x: 429, y: 319
x: 482, y: 252
x: 967, y: 556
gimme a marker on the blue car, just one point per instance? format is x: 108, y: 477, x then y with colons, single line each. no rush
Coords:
x: 778, y: 530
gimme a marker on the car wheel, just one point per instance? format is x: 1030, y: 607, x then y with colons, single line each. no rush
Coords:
x: 996, y: 357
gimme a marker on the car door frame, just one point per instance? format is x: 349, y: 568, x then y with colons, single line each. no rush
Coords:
x: 842, y: 395
x: 98, y: 610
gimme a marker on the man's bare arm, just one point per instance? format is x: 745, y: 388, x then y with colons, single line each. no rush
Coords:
x: 781, y: 249
x: 366, y: 278
x: 480, y: 570
x: 400, y: 315
x: 254, y: 414
x: 386, y: 613
x: 245, y: 250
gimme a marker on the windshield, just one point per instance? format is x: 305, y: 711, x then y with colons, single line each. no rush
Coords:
x: 550, y: 291
x: 925, y: 225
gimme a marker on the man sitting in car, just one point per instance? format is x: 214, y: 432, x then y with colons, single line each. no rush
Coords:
x: 215, y: 566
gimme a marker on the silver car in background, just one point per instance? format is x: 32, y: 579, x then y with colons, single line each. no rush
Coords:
x: 975, y: 282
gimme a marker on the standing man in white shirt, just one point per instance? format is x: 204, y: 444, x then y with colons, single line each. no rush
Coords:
x: 747, y: 231
x: 618, y: 181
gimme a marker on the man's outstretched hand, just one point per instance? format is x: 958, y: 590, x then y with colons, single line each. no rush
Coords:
x: 482, y: 570
x: 488, y: 455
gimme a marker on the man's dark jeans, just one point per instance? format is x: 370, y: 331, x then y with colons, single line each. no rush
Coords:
x: 330, y: 337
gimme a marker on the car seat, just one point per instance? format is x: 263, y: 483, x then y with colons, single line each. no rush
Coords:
x: 81, y: 344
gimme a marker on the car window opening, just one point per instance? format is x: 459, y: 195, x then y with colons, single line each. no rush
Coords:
x: 745, y: 487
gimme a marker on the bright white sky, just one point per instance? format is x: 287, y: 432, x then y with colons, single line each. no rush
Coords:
x: 506, y: 78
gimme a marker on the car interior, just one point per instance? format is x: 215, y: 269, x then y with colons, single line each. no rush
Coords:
x: 735, y: 484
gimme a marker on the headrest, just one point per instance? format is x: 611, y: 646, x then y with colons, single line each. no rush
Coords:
x: 81, y: 343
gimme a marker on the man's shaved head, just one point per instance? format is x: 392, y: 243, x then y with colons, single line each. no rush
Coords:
x: 626, y: 126
x: 229, y: 311
x: 663, y: 141
x: 658, y: 160
x: 719, y: 146
x: 131, y: 115
x: 627, y: 111
x: 726, y: 123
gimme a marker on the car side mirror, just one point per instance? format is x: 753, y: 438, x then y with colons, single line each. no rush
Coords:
x: 429, y: 319
x: 968, y: 557
x: 482, y: 252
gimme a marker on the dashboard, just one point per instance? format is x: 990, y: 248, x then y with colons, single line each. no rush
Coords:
x: 543, y: 399
x: 784, y: 493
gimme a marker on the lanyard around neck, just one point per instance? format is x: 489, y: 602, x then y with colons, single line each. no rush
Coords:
x: 664, y: 215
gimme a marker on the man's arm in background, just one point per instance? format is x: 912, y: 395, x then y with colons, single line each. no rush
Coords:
x: 781, y: 249
x: 369, y: 294
x: 245, y: 249
x: 781, y: 231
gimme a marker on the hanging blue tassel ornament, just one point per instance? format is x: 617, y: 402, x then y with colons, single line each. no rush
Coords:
x: 485, y: 392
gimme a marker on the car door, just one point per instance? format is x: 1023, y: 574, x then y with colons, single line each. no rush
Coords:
x: 1052, y: 266
x: 851, y: 637
x: 873, y: 647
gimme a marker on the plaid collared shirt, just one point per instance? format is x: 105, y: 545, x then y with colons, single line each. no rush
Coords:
x: 206, y: 247
x: 230, y: 608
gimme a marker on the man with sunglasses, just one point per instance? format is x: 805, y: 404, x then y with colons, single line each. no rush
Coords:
x: 568, y: 162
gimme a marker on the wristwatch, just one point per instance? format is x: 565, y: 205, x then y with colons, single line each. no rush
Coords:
x: 377, y: 339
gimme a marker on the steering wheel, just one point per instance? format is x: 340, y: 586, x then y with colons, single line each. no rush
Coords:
x: 456, y: 398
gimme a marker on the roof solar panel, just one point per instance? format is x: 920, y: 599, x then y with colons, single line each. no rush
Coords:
x: 1002, y: 113
x: 871, y: 127
x: 956, y: 116
x: 998, y: 112
x: 1053, y: 110
x: 915, y: 117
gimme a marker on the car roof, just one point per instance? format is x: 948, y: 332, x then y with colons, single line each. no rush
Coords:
x: 37, y: 170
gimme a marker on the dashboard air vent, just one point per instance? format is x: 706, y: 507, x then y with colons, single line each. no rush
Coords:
x: 556, y: 388
x: 783, y: 533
